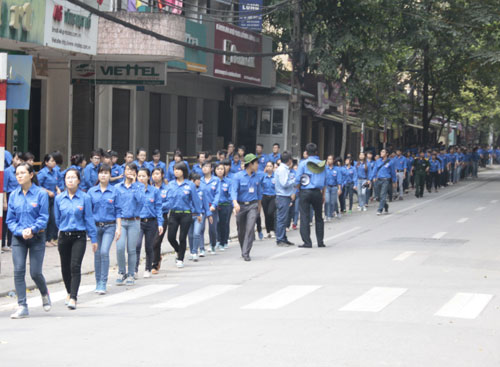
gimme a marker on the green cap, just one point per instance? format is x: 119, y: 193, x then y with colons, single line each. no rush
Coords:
x: 316, y: 167
x: 249, y: 158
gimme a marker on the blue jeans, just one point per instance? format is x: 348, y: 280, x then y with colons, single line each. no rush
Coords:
x: 224, y: 212
x: 212, y: 228
x: 282, y: 209
x: 195, y: 236
x: 349, y: 192
x: 331, y: 201
x: 105, y: 236
x: 36, y: 247
x: 128, y: 239
x: 383, y: 187
x: 362, y: 197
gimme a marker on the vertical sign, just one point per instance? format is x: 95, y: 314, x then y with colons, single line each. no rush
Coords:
x: 251, y: 15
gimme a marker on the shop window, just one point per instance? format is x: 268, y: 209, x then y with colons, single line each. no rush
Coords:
x: 277, y: 122
x: 271, y: 122
x: 265, y: 122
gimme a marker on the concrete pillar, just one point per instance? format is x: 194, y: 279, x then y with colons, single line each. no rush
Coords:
x: 172, y: 123
x: 103, y: 124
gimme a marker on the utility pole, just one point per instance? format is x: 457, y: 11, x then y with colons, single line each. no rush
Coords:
x: 295, y: 110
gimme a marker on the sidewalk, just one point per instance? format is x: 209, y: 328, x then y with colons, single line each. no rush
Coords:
x: 52, y: 268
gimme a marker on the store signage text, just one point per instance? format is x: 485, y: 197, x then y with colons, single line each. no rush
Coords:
x: 129, y: 70
x: 149, y: 73
x: 70, y: 18
x: 239, y: 60
x: 20, y: 16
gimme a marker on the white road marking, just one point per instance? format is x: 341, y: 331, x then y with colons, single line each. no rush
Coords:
x: 405, y: 255
x: 462, y: 220
x: 439, y: 235
x: 375, y: 300
x: 285, y: 253
x: 197, y: 296
x: 341, y: 234
x: 494, y: 201
x: 465, y: 305
x: 282, y: 297
x: 479, y: 209
x: 129, y: 295
x: 54, y: 297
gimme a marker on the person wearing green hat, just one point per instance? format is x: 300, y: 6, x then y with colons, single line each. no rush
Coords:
x: 246, y: 194
x: 311, y: 180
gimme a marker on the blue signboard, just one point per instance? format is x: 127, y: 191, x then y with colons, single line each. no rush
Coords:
x: 251, y: 15
x: 19, y: 82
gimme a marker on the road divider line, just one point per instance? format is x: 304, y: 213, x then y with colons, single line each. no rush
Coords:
x: 479, y: 209
x: 196, y: 296
x: 439, y: 235
x: 465, y: 305
x: 128, y: 295
x: 375, y: 300
x: 405, y: 255
x: 282, y: 297
x: 285, y: 253
x: 462, y: 220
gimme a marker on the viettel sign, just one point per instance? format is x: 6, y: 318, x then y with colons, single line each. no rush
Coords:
x: 101, y: 72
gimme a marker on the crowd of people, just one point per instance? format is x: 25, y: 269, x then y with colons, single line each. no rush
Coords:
x: 136, y: 203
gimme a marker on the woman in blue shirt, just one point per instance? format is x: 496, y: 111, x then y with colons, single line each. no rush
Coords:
x: 78, y: 163
x: 363, y: 173
x: 177, y: 158
x: 75, y: 220
x: 183, y: 203
x: 157, y: 163
x: 210, y: 185
x: 151, y: 220
x: 434, y: 172
x: 333, y: 188
x: 225, y: 207
x: 195, y: 233
x: 350, y: 177
x: 27, y: 218
x: 107, y: 217
x: 131, y: 200
x: 269, y: 198
x: 48, y: 179
x: 158, y: 182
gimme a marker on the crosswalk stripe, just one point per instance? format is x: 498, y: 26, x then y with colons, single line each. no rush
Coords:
x: 439, y: 235
x: 465, y: 305
x: 34, y: 302
x: 375, y: 300
x: 282, y: 297
x: 403, y: 256
x: 129, y: 295
x: 197, y: 296
x: 480, y: 208
x: 462, y: 220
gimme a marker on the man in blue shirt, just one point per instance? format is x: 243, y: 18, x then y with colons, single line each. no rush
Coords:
x: 275, y: 156
x: 246, y: 194
x: 259, y: 151
x: 400, y: 165
x: 90, y: 172
x: 384, y: 172
x: 197, y: 167
x: 312, y: 193
x: 285, y: 193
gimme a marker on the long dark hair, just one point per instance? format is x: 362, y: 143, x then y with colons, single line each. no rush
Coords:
x: 363, y: 162
x: 30, y: 170
x: 182, y: 166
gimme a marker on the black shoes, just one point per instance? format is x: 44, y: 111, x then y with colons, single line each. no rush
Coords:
x: 321, y: 245
x: 305, y: 246
x: 247, y: 258
x: 285, y: 243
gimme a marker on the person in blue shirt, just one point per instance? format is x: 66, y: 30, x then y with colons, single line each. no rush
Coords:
x: 151, y: 220
x: 371, y: 163
x: 312, y: 192
x: 27, y: 218
x: 409, y: 180
x: 363, y: 182
x: 333, y: 188
x: 236, y: 163
x: 90, y: 172
x: 183, y: 202
x: 195, y: 233
x: 269, y: 198
x: 225, y: 207
x: 158, y: 179
x: 140, y: 159
x: 434, y: 172
x: 75, y: 220
x: 131, y: 201
x: 116, y: 169
x: 177, y: 158
x: 107, y: 215
x: 77, y: 162
x: 350, y: 180
x: 275, y: 156
x: 400, y: 166
x: 128, y: 158
x: 210, y: 185
x: 442, y: 157
x: 383, y: 175
x: 246, y: 194
x: 157, y: 163
x: 201, y: 158
x: 48, y: 179
x: 259, y: 151
x: 230, y: 151
x: 285, y: 192
x: 7, y: 159
x: 293, y: 216
x: 9, y: 185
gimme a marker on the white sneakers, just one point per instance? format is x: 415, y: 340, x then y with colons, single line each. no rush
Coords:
x: 21, y: 313
x: 147, y: 274
x: 179, y: 263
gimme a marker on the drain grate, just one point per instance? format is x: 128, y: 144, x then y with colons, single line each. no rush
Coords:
x: 428, y: 241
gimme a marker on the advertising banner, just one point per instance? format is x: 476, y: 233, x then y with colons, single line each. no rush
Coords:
x: 196, y: 34
x: 111, y: 72
x: 22, y: 20
x: 251, y: 15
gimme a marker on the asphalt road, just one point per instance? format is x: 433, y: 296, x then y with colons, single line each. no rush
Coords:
x: 418, y: 287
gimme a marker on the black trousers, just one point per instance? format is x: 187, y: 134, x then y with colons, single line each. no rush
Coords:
x: 157, y: 243
x: 6, y: 233
x: 307, y: 198
x: 71, y: 251
x: 269, y: 207
x: 432, y: 180
x: 176, y: 221
x: 149, y: 230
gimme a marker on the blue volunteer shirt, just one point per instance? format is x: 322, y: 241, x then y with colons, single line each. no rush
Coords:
x: 349, y: 175
x: 164, y: 197
x: 183, y: 197
x: 48, y: 178
x: 409, y: 163
x: 131, y: 199
x: 384, y: 169
x: 274, y: 157
x: 205, y: 205
x: 225, y: 191
x: 28, y: 211
x: 197, y: 169
x: 363, y: 171
x: 268, y: 185
x: 246, y: 188
x: 90, y: 176
x: 170, y: 171
x: 152, y: 205
x: 144, y: 165
x: 211, y: 189
x: 236, y: 166
x: 105, y: 205
x: 435, y: 165
x: 262, y: 162
x: 62, y: 184
x: 161, y: 165
x: 7, y: 159
x: 318, y: 180
x: 117, y: 171
x: 333, y: 176
x: 9, y: 180
x: 75, y: 214
x: 400, y: 163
